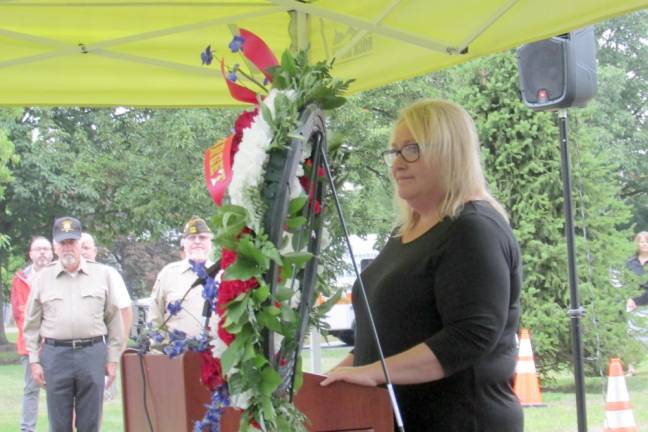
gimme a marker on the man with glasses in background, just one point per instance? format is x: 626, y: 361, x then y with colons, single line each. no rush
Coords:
x: 40, y: 255
x: 172, y: 296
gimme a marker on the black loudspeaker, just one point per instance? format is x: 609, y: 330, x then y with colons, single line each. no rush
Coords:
x: 559, y: 72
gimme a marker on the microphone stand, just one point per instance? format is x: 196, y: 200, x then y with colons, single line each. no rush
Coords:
x: 374, y: 331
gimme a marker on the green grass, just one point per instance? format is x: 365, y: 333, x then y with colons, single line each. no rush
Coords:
x: 558, y: 416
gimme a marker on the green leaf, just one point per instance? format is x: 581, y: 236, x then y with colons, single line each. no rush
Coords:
x: 261, y: 293
x: 267, y: 115
x: 269, y: 321
x: 235, y: 311
x: 270, y: 251
x: 248, y: 250
x: 271, y: 381
x: 332, y: 102
x: 284, y: 293
x: 296, y: 258
x: 296, y: 222
x: 273, y: 310
x: 329, y: 303
x: 235, y: 351
x: 288, y: 63
x: 242, y: 269
x: 280, y: 81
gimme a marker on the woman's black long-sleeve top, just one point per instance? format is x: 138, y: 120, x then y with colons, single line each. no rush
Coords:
x: 456, y: 288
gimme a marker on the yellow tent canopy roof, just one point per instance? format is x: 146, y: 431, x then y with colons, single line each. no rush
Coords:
x: 147, y: 53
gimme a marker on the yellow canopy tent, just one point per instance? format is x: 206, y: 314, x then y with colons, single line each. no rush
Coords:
x: 147, y: 53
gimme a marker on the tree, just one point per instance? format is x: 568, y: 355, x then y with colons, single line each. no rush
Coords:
x: 7, y: 159
x: 521, y: 154
x: 623, y: 53
x: 133, y: 173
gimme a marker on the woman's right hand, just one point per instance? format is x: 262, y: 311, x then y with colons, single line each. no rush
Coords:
x: 361, y: 375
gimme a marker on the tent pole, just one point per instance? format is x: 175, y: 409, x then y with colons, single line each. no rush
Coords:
x: 299, y: 30
x: 576, y: 311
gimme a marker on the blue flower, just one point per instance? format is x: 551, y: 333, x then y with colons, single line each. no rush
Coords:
x: 199, y: 268
x: 156, y: 336
x: 219, y: 400
x: 199, y: 343
x: 174, y: 307
x: 207, y: 56
x: 175, y: 349
x: 236, y: 44
x: 232, y: 76
x: 177, y: 335
x: 210, y: 289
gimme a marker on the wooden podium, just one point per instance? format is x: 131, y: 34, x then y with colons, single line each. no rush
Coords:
x: 176, y: 398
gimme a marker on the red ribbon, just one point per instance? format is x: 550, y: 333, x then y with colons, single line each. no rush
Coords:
x: 238, y: 92
x: 261, y: 56
x: 218, y: 169
x: 256, y: 50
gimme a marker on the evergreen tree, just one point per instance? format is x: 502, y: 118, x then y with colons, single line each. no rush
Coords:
x: 521, y: 152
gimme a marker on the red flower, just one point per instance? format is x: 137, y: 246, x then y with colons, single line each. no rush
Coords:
x: 316, y: 206
x: 305, y: 183
x: 227, y: 258
x: 243, y: 122
x: 231, y: 289
x: 225, y: 336
x: 211, y: 371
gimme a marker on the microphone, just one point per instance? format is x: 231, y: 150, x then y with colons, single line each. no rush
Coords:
x: 211, y: 272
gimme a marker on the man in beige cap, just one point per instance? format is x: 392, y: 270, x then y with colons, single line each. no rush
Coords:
x: 175, y: 280
x: 70, y: 310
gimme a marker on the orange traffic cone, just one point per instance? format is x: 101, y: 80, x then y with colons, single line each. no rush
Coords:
x: 618, y: 410
x: 527, y: 385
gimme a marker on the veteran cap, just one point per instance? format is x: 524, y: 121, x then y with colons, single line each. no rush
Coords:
x: 66, y: 228
x: 195, y: 225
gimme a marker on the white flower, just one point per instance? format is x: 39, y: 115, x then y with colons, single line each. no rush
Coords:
x: 250, y: 162
x: 218, y: 347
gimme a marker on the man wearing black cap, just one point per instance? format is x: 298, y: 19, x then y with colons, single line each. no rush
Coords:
x: 175, y: 279
x: 71, y: 311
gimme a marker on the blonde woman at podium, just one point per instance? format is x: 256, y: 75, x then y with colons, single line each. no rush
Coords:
x: 444, y: 291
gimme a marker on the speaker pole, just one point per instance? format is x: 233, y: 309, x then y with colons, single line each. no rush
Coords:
x: 576, y: 311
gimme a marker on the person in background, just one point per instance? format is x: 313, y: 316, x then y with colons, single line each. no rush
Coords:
x: 122, y: 298
x: 637, y: 265
x: 176, y: 278
x: 40, y: 255
x: 444, y: 291
x: 71, y: 312
x: 181, y: 251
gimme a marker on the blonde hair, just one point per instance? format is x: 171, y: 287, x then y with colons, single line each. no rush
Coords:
x: 446, y: 134
x: 638, y: 237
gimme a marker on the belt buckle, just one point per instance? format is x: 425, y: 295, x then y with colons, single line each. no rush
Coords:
x: 75, y: 342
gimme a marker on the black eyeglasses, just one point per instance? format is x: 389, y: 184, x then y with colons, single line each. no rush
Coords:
x: 409, y: 152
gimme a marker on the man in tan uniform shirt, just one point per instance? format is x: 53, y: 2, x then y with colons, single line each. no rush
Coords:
x: 73, y: 332
x: 175, y: 279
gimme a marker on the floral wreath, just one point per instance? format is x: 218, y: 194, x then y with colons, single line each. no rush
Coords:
x: 239, y: 368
